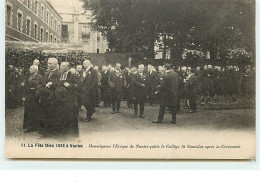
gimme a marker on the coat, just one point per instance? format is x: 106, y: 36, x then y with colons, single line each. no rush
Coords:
x: 49, y: 104
x: 192, y: 84
x: 168, y: 90
x: 89, y: 85
x: 68, y: 109
x: 153, y: 80
x: 116, y: 82
x: 31, y: 104
x: 140, y: 91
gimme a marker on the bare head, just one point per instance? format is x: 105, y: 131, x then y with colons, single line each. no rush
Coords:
x: 64, y: 66
x: 133, y: 69
x: 73, y: 70
x: 104, y: 68
x: 33, y: 69
x: 210, y: 67
x: 52, y: 63
x: 36, y: 62
x: 149, y: 67
x: 96, y: 68
x: 183, y: 68
x: 79, y: 67
x: 160, y: 69
x: 141, y: 68
x: 118, y: 66
x: 87, y: 64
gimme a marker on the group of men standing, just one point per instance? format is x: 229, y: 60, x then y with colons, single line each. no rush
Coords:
x: 138, y: 85
x: 53, y: 97
x: 52, y: 101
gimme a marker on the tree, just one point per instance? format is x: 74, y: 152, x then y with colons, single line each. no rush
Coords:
x: 213, y: 25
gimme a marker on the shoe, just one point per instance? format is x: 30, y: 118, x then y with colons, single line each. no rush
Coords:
x: 117, y: 111
x: 192, y: 111
x: 87, y: 119
x: 141, y: 116
x: 113, y: 112
x: 173, y: 122
x: 157, y: 121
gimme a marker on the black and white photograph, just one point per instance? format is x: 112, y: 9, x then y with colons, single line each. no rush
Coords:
x: 130, y: 79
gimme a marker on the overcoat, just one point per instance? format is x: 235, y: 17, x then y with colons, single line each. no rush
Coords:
x: 116, y: 82
x: 31, y: 104
x: 140, y: 91
x: 89, y: 85
x: 168, y: 90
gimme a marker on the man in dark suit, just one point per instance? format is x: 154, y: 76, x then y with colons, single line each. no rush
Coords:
x: 154, y: 81
x: 116, y: 81
x: 105, y: 91
x: 68, y: 110
x: 168, y: 92
x: 140, y: 86
x: 191, y: 84
x: 48, y: 103
x: 31, y: 99
x: 89, y: 85
x: 182, y: 87
x: 79, y: 71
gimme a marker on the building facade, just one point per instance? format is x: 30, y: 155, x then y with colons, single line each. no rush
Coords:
x: 32, y: 20
x: 76, y: 29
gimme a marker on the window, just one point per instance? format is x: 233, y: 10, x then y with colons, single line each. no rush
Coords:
x: 42, y: 12
x: 36, y: 7
x: 19, y: 21
x: 55, y: 25
x: 29, y: 4
x: 47, y: 17
x: 51, y: 38
x: 59, y: 28
x: 35, y: 31
x: 65, y: 28
x: 85, y: 30
x: 41, y: 35
x: 51, y: 20
x: 28, y: 26
x: 47, y: 37
x: 9, y: 15
x: 97, y: 51
x: 55, y: 39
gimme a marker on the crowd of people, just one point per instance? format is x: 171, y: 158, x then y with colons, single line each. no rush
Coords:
x: 62, y: 89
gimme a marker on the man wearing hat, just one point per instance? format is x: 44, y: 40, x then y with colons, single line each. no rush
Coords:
x: 31, y: 99
x: 168, y: 92
x: 89, y: 85
x: 48, y: 101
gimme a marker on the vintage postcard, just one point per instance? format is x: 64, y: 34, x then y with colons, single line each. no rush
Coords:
x: 130, y: 79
